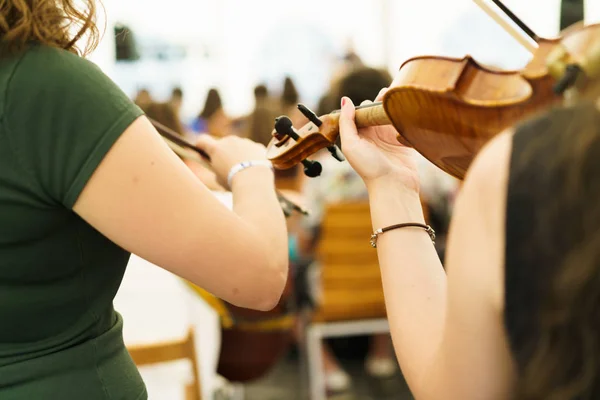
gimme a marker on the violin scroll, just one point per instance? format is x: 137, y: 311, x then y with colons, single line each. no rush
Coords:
x: 574, y: 69
x: 290, y: 146
x: 284, y: 130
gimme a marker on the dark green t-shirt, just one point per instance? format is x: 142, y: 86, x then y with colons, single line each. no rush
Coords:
x: 60, y: 337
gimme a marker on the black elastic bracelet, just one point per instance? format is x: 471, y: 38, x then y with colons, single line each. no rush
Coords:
x: 378, y: 232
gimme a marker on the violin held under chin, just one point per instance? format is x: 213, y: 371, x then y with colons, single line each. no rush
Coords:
x: 448, y: 108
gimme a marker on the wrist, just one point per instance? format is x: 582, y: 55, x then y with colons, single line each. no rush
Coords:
x: 393, y: 187
x: 250, y: 178
x: 243, y: 166
x: 402, y: 183
x: 394, y: 204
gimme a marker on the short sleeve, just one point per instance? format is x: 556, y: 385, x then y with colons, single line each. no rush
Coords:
x: 63, y: 114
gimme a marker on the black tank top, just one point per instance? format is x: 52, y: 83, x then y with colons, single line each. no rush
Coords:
x: 545, y: 221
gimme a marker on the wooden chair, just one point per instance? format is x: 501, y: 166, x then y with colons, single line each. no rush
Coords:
x: 351, y: 298
x: 171, y: 351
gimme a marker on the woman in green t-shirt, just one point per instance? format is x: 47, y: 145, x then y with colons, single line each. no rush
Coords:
x: 85, y: 180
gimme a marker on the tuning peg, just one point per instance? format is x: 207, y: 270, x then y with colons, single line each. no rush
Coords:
x: 572, y: 73
x: 312, y: 169
x: 336, y: 153
x: 308, y: 113
x: 284, y: 127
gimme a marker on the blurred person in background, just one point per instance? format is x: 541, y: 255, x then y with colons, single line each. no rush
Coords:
x: 289, y: 103
x: 262, y: 119
x: 212, y: 119
x: 176, y: 100
x: 337, y: 183
x: 345, y: 65
x: 165, y: 114
x: 143, y: 97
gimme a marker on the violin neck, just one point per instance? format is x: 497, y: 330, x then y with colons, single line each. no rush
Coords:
x: 369, y: 115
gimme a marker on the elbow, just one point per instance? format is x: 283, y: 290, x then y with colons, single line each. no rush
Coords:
x: 271, y: 283
x: 262, y: 277
x: 274, y: 286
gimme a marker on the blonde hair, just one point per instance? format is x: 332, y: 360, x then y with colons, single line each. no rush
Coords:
x: 56, y: 23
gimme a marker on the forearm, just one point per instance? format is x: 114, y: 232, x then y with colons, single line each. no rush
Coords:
x: 414, y: 280
x: 255, y: 201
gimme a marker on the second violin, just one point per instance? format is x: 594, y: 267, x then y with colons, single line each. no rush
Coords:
x: 448, y: 108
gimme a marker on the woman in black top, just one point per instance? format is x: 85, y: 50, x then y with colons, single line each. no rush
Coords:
x: 517, y: 315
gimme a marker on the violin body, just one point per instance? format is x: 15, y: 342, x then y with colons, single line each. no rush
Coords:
x: 257, y: 340
x: 449, y: 108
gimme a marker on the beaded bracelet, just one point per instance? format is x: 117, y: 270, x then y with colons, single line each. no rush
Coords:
x: 246, y: 164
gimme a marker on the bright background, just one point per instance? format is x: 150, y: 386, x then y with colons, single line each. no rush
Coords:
x: 235, y: 44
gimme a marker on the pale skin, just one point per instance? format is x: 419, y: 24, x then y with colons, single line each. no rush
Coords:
x: 146, y: 200
x: 447, y: 326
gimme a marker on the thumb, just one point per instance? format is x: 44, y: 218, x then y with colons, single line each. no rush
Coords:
x: 207, y: 143
x: 381, y: 93
x: 348, y: 131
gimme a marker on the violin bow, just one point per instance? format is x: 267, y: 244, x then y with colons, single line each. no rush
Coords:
x: 515, y: 33
x: 187, y: 150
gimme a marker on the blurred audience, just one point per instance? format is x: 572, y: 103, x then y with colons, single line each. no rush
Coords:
x: 339, y: 182
x: 176, y: 100
x: 289, y: 103
x: 212, y: 119
x: 262, y: 119
x: 165, y: 114
x: 143, y: 97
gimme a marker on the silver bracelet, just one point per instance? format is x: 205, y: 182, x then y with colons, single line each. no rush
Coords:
x: 246, y: 164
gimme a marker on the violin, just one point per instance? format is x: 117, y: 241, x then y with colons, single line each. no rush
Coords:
x: 448, y: 108
x: 187, y: 150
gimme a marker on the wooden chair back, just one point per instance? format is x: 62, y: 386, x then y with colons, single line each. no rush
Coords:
x: 351, y: 286
x: 163, y: 352
x: 350, y: 279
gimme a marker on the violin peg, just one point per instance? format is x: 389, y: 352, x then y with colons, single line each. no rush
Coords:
x: 308, y: 113
x: 572, y: 73
x: 336, y: 153
x: 312, y: 169
x: 284, y: 127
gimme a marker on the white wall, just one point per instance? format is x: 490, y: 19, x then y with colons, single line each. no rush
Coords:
x: 592, y: 11
x: 263, y: 40
x: 460, y: 27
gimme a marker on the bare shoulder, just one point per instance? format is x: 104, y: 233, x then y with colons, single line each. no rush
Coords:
x: 489, y: 170
x: 483, y: 204
x: 474, y: 360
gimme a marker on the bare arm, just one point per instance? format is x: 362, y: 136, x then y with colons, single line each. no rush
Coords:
x: 205, y: 175
x: 146, y: 200
x: 447, y: 329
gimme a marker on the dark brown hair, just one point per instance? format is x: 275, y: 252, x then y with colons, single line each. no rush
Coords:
x: 555, y: 178
x: 56, y: 23
x: 362, y: 84
x: 212, y: 104
x: 289, y: 96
